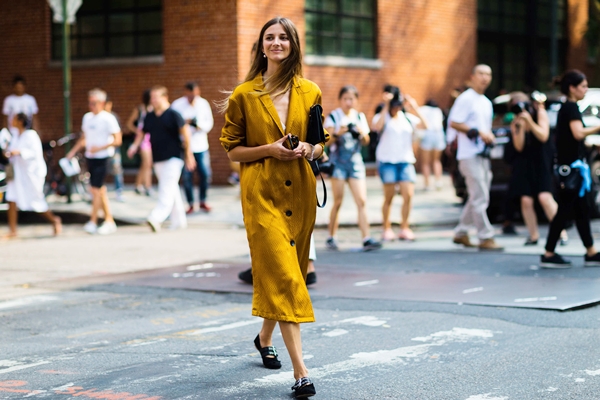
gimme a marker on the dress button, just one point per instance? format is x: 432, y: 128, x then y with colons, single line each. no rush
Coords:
x: 288, y: 213
x: 292, y: 243
x: 288, y: 183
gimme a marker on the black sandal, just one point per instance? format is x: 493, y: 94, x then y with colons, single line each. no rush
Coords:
x: 304, y: 388
x: 268, y: 354
x: 531, y: 242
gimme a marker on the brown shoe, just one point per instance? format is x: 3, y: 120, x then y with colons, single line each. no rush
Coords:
x: 464, y: 240
x: 490, y: 245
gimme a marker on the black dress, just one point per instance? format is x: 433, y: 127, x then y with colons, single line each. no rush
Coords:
x: 532, y: 167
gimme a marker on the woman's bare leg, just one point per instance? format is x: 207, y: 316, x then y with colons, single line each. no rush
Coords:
x: 528, y: 212
x: 12, y: 219
x: 389, y: 190
x: 293, y: 342
x: 337, y: 187
x: 358, y: 187
x: 426, y: 165
x: 407, y: 189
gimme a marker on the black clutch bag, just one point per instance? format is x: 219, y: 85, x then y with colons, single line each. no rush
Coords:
x: 315, y: 133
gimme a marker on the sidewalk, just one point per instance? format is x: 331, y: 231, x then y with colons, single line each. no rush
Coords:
x: 439, y: 207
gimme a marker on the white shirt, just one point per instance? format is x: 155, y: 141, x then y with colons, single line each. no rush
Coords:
x: 338, y: 118
x: 396, y: 141
x: 476, y: 111
x: 434, y: 117
x: 200, y: 109
x: 99, y: 130
x: 14, y: 105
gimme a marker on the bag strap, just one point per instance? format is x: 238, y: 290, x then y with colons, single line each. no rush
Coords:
x: 324, y: 186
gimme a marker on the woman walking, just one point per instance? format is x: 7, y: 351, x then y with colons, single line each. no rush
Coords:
x: 25, y: 191
x: 574, y: 173
x: 396, y: 158
x: 432, y: 144
x: 277, y: 188
x: 143, y: 180
x: 349, y: 132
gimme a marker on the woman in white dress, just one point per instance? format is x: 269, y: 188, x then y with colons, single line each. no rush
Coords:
x: 25, y: 191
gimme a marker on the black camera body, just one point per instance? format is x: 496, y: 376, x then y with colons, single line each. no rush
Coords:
x: 353, y: 131
x: 194, y: 122
x: 521, y: 106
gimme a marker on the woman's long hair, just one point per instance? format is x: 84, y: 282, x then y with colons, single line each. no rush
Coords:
x: 290, y: 67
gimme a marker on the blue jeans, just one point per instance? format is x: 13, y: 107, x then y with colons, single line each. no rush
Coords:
x: 205, y: 173
x: 117, y: 169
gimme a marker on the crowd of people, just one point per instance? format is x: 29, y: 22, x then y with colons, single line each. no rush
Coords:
x: 170, y: 139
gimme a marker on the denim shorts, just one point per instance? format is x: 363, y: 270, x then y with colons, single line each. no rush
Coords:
x: 433, y: 140
x: 400, y: 172
x: 349, y: 170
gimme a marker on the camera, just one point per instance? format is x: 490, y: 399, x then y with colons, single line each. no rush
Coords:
x: 520, y: 106
x: 194, y: 122
x: 353, y: 131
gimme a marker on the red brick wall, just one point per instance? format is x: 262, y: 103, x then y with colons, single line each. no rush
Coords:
x: 577, y: 54
x: 199, y: 38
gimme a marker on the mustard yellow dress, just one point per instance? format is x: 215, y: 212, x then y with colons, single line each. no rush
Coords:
x: 278, y: 198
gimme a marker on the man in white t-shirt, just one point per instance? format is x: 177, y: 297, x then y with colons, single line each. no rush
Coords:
x: 197, y: 113
x: 470, y: 120
x: 101, y: 134
x: 19, y: 102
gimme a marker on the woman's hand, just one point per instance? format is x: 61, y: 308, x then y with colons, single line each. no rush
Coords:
x: 280, y: 152
x: 12, y: 153
x: 525, y: 118
x: 132, y: 150
x: 387, y: 97
x: 411, y: 102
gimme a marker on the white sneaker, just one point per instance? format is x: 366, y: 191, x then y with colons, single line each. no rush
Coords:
x: 90, y: 227
x: 107, y: 228
x: 155, y: 226
x: 120, y: 198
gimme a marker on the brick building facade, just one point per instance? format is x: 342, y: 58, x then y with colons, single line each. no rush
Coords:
x: 425, y: 47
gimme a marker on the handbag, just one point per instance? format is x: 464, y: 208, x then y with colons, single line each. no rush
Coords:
x: 569, y: 179
x: 315, y: 134
x: 9, y: 171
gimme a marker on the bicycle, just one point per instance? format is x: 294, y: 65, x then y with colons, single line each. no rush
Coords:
x: 56, y: 178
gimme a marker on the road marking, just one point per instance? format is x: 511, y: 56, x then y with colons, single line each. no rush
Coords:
x: 25, y: 301
x: 196, y: 267
x: 534, y: 299
x: 473, y: 290
x: 370, y: 359
x: 87, y: 333
x: 335, y: 332
x: 486, y: 397
x: 225, y: 327
x: 579, y: 380
x: 142, y: 343
x: 20, y: 367
x: 593, y: 373
x: 367, y: 320
x: 367, y: 283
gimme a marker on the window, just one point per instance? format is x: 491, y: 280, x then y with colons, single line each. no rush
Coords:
x: 514, y: 39
x: 113, y: 28
x: 341, y: 28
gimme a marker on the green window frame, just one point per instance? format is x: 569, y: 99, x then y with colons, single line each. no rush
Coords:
x: 113, y: 28
x: 346, y: 28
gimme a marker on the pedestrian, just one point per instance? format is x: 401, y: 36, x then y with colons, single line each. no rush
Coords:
x: 116, y: 166
x: 470, y: 121
x: 349, y: 131
x: 171, y: 151
x: 101, y: 134
x: 197, y: 114
x: 19, y: 102
x: 143, y: 180
x: 25, y: 191
x: 573, y: 172
x: 432, y: 143
x: 531, y: 176
x: 396, y: 158
x: 278, y: 187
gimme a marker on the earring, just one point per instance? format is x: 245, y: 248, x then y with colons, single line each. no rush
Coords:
x: 264, y: 55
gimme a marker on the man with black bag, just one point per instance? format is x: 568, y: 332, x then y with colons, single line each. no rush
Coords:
x: 471, y: 119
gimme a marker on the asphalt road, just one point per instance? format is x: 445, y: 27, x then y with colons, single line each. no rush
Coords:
x: 119, y: 339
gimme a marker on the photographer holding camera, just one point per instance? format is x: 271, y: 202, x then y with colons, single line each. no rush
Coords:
x: 532, y: 163
x: 471, y: 119
x: 349, y: 132
x: 396, y: 157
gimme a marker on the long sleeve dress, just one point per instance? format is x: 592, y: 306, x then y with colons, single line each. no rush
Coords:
x: 278, y: 198
x: 27, y: 187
